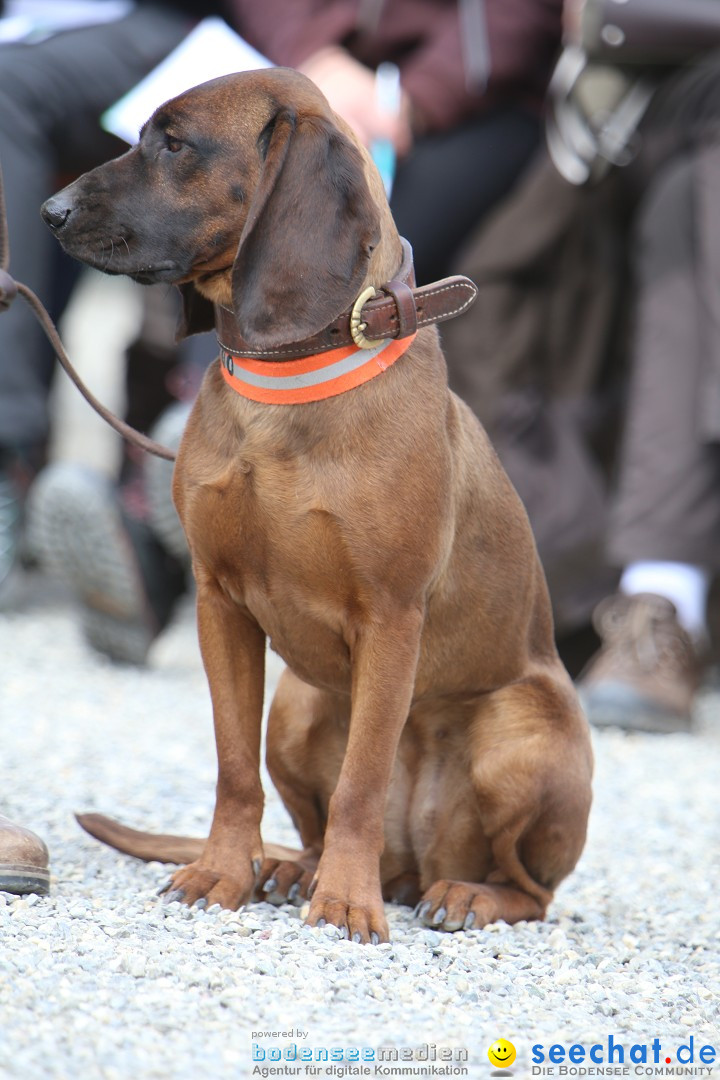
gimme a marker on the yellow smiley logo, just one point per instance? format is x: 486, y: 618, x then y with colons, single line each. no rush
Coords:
x: 501, y: 1053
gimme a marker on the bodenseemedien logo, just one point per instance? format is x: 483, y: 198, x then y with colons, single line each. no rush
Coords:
x: 425, y: 1060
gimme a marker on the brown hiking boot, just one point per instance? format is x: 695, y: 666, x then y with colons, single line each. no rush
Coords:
x: 23, y: 860
x: 645, y: 675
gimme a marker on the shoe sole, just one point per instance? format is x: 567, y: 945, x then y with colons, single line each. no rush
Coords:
x: 616, y: 705
x: 22, y: 880
x: 75, y: 528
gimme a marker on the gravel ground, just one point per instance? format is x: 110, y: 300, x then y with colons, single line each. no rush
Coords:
x: 101, y: 980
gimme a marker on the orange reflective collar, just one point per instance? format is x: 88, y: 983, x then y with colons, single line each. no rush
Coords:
x: 310, y: 378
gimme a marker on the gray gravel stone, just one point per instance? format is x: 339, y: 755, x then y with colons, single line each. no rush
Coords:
x: 102, y: 980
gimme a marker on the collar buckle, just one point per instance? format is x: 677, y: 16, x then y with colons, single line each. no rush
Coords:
x: 357, y: 326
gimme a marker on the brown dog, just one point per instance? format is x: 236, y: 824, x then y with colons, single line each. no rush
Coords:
x: 425, y: 737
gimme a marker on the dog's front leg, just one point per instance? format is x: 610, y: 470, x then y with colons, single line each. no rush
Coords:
x: 233, y: 651
x: 347, y: 891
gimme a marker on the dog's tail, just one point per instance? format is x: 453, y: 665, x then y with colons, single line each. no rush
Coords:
x: 152, y: 847
x: 159, y: 847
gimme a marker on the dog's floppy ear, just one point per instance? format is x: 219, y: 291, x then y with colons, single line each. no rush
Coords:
x: 310, y: 231
x: 197, y: 313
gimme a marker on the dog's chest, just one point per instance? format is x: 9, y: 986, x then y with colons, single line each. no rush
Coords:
x: 268, y: 530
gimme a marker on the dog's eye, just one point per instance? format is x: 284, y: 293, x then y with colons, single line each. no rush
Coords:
x: 174, y: 146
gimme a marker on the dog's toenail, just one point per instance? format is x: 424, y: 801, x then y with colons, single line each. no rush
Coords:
x: 357, y: 937
x: 270, y: 885
x: 344, y: 933
x: 256, y: 864
x: 439, y: 916
x: 422, y: 909
x: 374, y: 939
x: 201, y: 903
x: 175, y: 895
x: 293, y: 892
x: 164, y: 888
x: 321, y: 923
x: 469, y: 921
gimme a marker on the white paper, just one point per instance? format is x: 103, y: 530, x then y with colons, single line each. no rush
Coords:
x: 210, y: 50
x: 35, y: 20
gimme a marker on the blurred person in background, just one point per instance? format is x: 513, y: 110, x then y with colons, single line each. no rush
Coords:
x: 663, y: 531
x: 473, y: 79
x: 54, y: 86
x: 592, y: 356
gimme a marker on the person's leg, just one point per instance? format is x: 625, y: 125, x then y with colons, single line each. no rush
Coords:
x: 51, y: 97
x: 449, y: 182
x: 667, y: 506
x: 665, y: 520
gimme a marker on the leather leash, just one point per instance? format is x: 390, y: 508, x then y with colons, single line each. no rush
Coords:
x: 9, y: 289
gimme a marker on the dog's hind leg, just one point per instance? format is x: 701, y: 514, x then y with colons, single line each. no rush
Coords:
x: 531, y: 767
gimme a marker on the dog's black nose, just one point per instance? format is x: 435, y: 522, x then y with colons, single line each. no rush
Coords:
x: 55, y: 212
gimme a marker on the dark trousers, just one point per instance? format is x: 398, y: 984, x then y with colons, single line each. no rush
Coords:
x: 450, y: 181
x: 51, y: 97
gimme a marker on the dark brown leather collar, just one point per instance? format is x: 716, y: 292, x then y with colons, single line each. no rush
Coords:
x: 397, y: 311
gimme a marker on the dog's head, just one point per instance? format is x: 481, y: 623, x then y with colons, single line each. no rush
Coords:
x: 248, y: 191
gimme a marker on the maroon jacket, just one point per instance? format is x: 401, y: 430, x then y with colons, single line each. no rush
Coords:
x: 456, y: 58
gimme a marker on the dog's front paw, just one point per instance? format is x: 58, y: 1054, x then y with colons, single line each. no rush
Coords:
x: 205, y: 886
x: 362, y: 922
